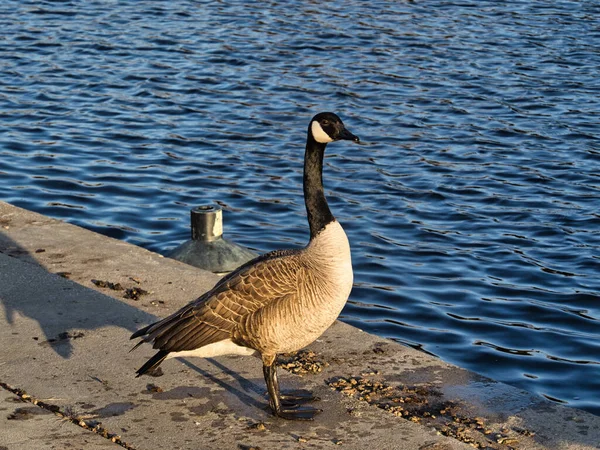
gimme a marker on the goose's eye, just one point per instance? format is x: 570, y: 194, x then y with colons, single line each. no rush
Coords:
x: 324, y: 122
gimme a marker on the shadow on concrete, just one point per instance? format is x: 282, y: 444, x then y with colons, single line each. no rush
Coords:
x: 247, y: 385
x: 63, y: 309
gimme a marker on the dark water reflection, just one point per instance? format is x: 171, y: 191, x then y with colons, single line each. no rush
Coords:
x: 472, y: 205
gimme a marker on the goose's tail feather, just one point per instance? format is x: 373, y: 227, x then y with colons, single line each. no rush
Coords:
x: 152, y: 363
x: 142, y: 331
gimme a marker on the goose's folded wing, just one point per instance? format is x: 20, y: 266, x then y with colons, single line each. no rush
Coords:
x: 216, y: 315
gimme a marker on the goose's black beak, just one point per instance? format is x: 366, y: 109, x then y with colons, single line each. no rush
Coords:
x: 347, y: 136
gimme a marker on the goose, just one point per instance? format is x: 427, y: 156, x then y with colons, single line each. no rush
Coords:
x: 276, y: 303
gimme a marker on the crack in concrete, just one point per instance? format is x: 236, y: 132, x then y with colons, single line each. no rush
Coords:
x: 68, y: 414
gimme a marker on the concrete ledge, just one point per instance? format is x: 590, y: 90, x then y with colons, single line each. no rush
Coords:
x: 65, y: 342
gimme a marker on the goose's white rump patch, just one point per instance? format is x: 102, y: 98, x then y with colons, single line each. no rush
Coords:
x: 224, y: 347
x: 318, y: 133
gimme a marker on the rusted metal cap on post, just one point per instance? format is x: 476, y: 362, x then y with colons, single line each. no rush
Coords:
x: 207, y: 223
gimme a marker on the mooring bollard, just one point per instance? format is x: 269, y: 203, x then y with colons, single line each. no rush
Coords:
x: 208, y: 249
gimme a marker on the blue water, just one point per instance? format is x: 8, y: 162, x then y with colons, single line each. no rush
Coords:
x: 471, y: 206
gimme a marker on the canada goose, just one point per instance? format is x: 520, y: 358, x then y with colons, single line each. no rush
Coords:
x: 276, y: 303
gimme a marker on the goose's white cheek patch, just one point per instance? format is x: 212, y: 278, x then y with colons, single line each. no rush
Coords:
x: 318, y: 133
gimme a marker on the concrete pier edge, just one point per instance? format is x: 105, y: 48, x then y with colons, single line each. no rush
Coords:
x: 70, y: 298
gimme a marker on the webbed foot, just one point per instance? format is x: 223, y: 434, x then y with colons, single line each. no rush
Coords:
x: 294, y: 398
x: 297, y: 413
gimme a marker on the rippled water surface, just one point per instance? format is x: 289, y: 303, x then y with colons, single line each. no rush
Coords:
x: 472, y: 205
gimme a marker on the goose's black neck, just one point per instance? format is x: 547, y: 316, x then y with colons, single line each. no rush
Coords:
x: 317, y: 209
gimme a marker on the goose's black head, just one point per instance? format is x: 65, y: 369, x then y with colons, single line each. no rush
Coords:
x: 327, y: 127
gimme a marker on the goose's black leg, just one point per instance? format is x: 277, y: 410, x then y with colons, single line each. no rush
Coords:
x: 290, y: 399
x: 275, y: 402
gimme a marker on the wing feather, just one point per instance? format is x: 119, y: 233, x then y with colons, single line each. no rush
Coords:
x: 219, y: 313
